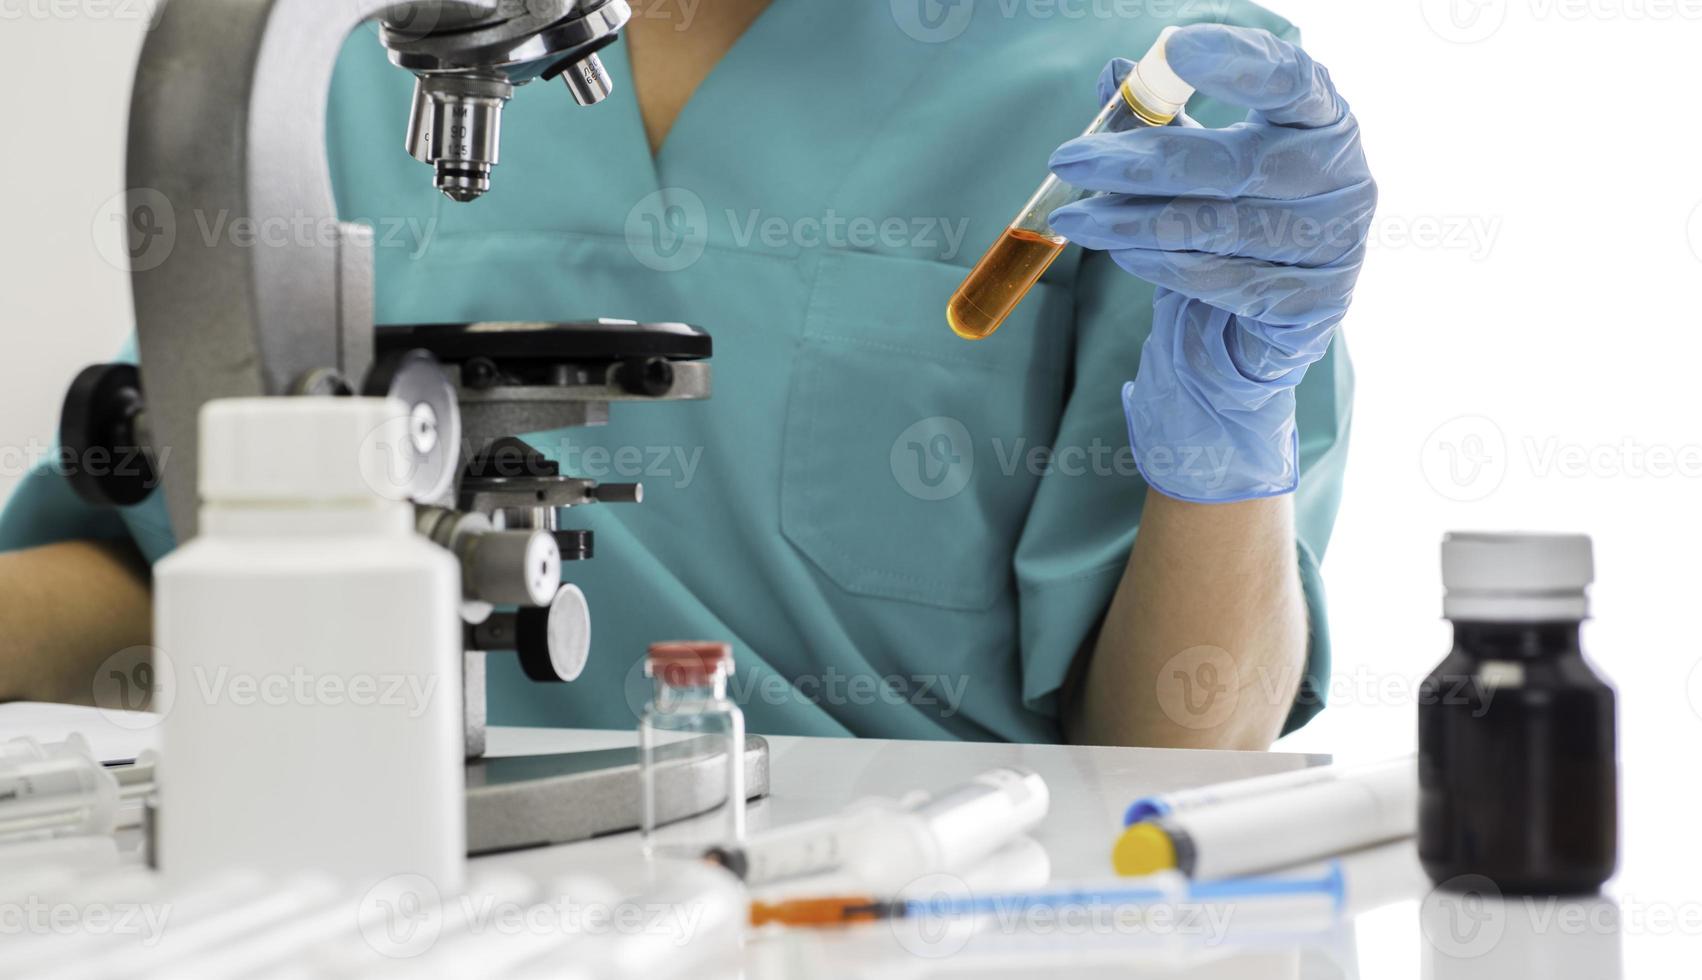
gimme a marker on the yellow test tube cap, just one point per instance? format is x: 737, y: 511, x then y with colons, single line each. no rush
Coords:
x: 1143, y: 849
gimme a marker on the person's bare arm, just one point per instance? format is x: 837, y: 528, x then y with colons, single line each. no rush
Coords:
x: 1205, y: 640
x: 65, y: 608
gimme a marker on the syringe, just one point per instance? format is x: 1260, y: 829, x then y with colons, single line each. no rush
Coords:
x: 1151, y: 95
x: 884, y: 843
x: 60, y: 789
x: 1318, y: 889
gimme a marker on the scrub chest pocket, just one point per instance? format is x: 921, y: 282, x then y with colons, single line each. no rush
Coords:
x: 907, y: 462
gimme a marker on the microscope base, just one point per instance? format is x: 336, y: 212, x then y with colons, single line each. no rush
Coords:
x: 534, y: 800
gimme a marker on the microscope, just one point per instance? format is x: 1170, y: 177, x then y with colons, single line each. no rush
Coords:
x: 228, y: 115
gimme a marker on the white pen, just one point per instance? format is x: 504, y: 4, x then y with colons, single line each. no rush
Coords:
x: 1277, y: 829
x: 1183, y: 800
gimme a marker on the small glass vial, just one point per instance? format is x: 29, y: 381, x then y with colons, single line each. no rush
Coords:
x: 1517, y: 776
x: 691, y: 741
x: 1151, y: 95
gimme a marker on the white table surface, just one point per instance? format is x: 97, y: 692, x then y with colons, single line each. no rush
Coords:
x: 814, y: 777
x: 1649, y: 923
x: 1407, y: 930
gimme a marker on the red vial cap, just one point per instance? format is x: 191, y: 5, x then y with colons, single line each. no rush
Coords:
x: 685, y: 663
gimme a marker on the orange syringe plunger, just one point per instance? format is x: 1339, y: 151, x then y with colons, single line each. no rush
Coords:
x: 834, y: 911
x: 1151, y: 95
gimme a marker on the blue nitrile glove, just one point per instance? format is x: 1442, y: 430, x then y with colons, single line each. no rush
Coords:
x: 1253, y: 236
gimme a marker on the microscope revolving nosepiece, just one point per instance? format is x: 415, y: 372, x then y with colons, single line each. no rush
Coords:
x: 468, y: 62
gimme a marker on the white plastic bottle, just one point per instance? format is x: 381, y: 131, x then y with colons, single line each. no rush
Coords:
x: 314, y: 643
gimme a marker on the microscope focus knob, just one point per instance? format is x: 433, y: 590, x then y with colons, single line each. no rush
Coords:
x: 102, y: 438
x: 576, y: 544
x: 555, y: 643
x: 514, y: 567
x: 431, y: 436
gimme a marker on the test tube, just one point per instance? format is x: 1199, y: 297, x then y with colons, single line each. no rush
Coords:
x: 1151, y: 95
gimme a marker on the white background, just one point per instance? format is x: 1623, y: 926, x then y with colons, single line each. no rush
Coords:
x: 1525, y: 331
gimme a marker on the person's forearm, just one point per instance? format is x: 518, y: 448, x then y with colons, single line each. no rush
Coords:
x: 1205, y: 640
x: 65, y: 608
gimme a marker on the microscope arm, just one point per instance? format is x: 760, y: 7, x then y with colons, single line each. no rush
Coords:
x: 226, y: 132
x: 245, y: 282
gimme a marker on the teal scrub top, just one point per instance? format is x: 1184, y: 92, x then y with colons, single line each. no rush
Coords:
x: 903, y: 534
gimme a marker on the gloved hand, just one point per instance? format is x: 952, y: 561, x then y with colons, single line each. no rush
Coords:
x: 1253, y: 236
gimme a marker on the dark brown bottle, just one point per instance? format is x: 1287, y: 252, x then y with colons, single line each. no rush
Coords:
x: 1516, y: 761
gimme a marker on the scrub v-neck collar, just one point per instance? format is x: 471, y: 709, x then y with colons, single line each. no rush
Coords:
x: 706, y: 90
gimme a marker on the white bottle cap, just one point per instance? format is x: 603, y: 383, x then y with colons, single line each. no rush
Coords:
x: 305, y: 450
x: 1511, y: 578
x: 1154, y: 84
